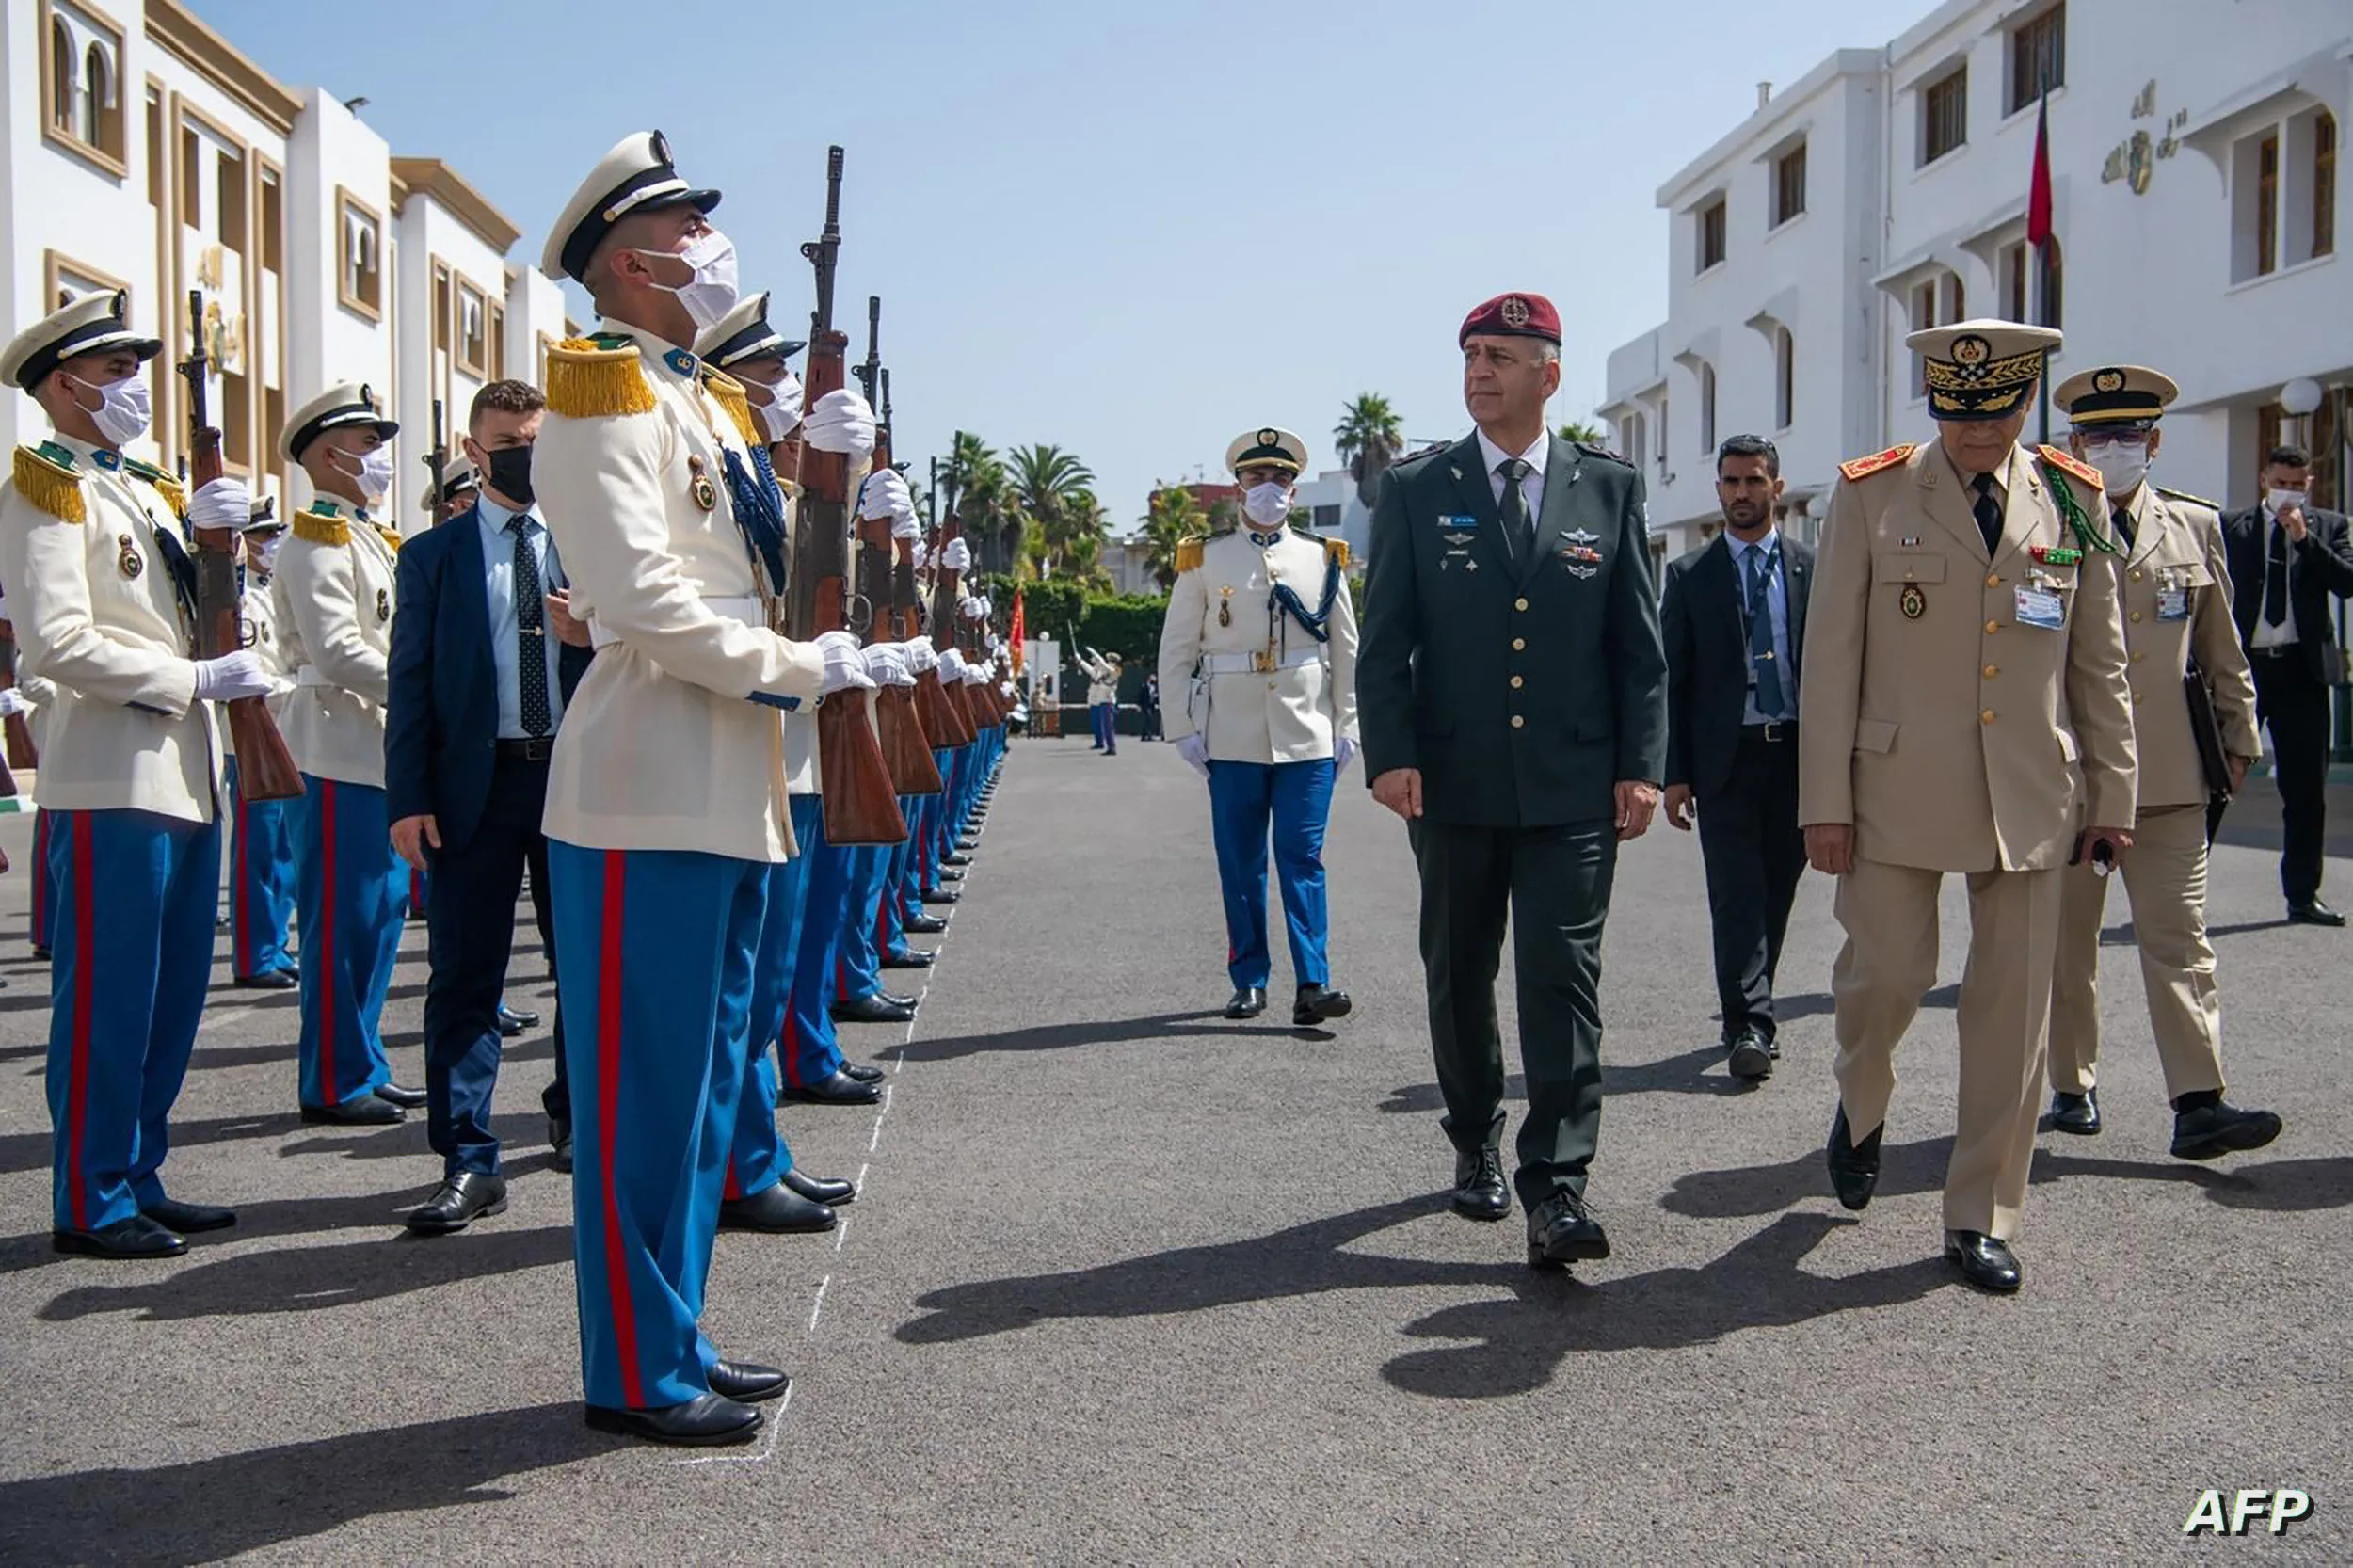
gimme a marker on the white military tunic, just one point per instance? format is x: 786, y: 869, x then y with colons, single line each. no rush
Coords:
x: 333, y: 620
x: 1260, y: 687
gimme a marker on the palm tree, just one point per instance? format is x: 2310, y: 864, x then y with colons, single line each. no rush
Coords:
x: 1044, y: 483
x: 1585, y: 431
x: 977, y: 497
x: 1368, y: 438
x: 1173, y: 517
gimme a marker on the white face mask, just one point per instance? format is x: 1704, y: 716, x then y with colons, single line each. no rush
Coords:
x: 2122, y: 465
x: 262, y: 552
x: 1267, y: 505
x: 2283, y: 501
x: 123, y: 411
x: 781, y: 415
x: 376, y: 472
x: 711, y: 292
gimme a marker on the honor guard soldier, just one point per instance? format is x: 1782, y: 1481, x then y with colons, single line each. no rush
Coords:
x: 1965, y: 711
x: 262, y: 865
x: 2176, y: 596
x: 1261, y: 641
x: 334, y: 590
x: 461, y: 486
x: 100, y: 592
x: 666, y: 803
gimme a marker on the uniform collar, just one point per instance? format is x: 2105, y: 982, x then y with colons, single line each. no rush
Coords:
x: 104, y: 459
x: 1494, y: 456
x: 655, y: 349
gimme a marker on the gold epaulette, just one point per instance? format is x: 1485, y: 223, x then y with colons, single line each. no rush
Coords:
x: 321, y: 528
x: 1188, y: 553
x: 390, y: 536
x: 731, y: 396
x: 2061, y: 459
x: 1335, y: 551
x: 175, y: 495
x: 586, y: 380
x: 1862, y: 468
x: 2193, y: 500
x: 45, y: 476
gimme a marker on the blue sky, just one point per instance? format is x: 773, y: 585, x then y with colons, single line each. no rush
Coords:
x: 1133, y: 230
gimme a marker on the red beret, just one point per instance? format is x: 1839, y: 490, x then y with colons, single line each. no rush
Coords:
x: 1514, y: 315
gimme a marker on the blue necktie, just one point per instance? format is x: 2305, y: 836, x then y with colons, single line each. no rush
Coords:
x: 1769, y: 699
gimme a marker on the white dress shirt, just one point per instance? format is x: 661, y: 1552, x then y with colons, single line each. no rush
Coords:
x: 1531, y: 483
x: 498, y: 559
x: 1777, y: 608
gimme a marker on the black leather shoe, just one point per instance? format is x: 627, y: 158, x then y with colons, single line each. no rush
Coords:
x: 922, y: 925
x: 1563, y: 1231
x: 1320, y: 1004
x: 776, y: 1210
x: 1854, y: 1168
x: 367, y: 1110
x: 2314, y: 913
x: 407, y: 1099
x: 950, y: 874
x: 1985, y: 1262
x: 560, y: 1145
x: 955, y: 859
x: 870, y: 1010
x: 824, y: 1190
x: 865, y: 1072
x: 1248, y: 1002
x: 2076, y: 1113
x: 746, y: 1381
x: 910, y: 958
x: 841, y: 1089
x: 136, y: 1237
x: 459, y: 1202
x: 269, y: 980
x: 940, y: 895
x: 1752, y: 1057
x: 188, y: 1218
x: 43, y: 953
x: 967, y: 846
x: 513, y: 1020
x: 2211, y: 1131
x: 1479, y: 1189
x: 703, y: 1421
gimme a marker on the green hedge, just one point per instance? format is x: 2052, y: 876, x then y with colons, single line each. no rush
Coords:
x: 1128, y: 625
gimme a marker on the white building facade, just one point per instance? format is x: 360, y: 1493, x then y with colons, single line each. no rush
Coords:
x: 145, y: 152
x: 2193, y: 149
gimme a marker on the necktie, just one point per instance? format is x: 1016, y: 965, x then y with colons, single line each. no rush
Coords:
x: 2276, y: 577
x: 2122, y: 517
x: 1769, y: 697
x: 1516, y: 530
x: 1987, y: 511
x: 531, y: 639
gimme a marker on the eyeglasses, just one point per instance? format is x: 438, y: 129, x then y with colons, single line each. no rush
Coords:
x: 2115, y: 440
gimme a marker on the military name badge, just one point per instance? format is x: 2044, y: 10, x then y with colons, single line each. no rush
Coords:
x: 1449, y: 522
x: 706, y: 495
x: 383, y: 605
x: 1911, y: 601
x: 2041, y: 608
x: 127, y: 556
x: 2174, y: 604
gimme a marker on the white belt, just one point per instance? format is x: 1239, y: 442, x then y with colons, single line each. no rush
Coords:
x: 1258, y: 664
x: 743, y: 612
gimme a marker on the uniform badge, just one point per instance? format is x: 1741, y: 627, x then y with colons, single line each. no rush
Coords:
x: 383, y: 605
x: 1911, y: 601
x: 1225, y: 606
x: 127, y: 557
x: 2058, y: 555
x: 1458, y: 540
x: 1580, y: 553
x: 1514, y: 310
x: 1575, y: 571
x: 1580, y: 535
x: 706, y: 495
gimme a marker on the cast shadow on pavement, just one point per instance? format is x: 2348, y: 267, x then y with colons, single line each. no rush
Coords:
x: 1107, y: 1031
x: 1686, y: 1074
x: 208, y: 1510
x: 30, y: 1151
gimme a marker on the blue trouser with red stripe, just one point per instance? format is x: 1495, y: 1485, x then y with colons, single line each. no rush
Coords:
x: 135, y: 896
x: 807, y: 1045
x: 761, y: 1156
x: 44, y: 884
x: 857, y: 968
x: 655, y: 954
x: 1295, y: 799
x: 350, y: 909
x: 262, y: 877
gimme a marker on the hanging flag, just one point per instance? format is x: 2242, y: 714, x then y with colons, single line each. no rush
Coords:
x: 1017, y: 631
x: 2039, y: 190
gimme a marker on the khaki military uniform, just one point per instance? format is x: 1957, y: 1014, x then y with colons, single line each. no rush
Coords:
x: 332, y: 621
x: 2176, y: 596
x: 1954, y: 734
x: 1253, y: 683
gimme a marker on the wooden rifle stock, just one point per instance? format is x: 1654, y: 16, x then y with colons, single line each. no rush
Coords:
x: 266, y: 769
x: 899, y: 724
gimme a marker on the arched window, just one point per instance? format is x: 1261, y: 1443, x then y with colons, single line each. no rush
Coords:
x: 1707, y: 406
x: 60, y: 75
x: 97, y: 82
x: 1784, y: 379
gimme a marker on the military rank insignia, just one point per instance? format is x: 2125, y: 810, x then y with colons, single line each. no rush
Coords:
x: 127, y: 556
x: 706, y: 495
x: 1911, y: 601
x: 383, y: 605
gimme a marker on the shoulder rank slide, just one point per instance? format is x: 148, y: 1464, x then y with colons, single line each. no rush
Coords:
x: 45, y: 475
x: 731, y: 396
x: 588, y: 379
x: 2193, y: 500
x: 1189, y: 552
x: 2068, y: 461
x: 1862, y: 468
x: 321, y: 527
x: 1591, y: 450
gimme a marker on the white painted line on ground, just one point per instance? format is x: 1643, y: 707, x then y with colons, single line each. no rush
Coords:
x: 818, y: 1306
x: 840, y: 1234
x: 767, y: 1449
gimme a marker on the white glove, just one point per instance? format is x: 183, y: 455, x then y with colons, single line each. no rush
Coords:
x: 885, y: 495
x: 845, y: 663
x: 840, y: 422
x: 223, y: 503
x: 975, y: 675
x: 1343, y: 753
x: 888, y: 663
x: 951, y: 664
x: 1195, y: 749
x: 921, y: 655
x: 987, y: 606
x: 13, y: 702
x: 918, y: 554
x: 1006, y: 688
x: 995, y: 642
x: 957, y: 557
x: 231, y: 677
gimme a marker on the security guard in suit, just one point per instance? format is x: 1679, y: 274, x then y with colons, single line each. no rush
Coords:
x: 1965, y: 711
x: 100, y: 592
x: 2176, y: 593
x: 334, y: 588
x: 1260, y: 637
x: 262, y: 864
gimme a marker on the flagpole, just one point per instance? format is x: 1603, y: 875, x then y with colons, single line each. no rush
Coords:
x: 2042, y: 265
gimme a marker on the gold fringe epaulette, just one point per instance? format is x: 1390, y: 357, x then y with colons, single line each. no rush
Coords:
x: 1862, y: 468
x: 1188, y: 553
x: 45, y: 476
x: 731, y: 396
x: 321, y: 528
x: 587, y: 380
x: 175, y: 495
x: 1335, y: 551
x: 390, y: 536
x: 2059, y: 457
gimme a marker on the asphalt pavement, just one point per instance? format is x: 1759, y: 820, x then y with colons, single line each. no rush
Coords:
x: 1127, y: 1283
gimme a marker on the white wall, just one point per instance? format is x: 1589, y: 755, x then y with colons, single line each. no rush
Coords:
x: 333, y: 343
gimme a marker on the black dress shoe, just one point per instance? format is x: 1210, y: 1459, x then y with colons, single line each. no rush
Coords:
x: 136, y: 1237
x: 955, y: 859
x: 1320, y: 1004
x: 367, y: 1110
x: 513, y: 1020
x: 459, y: 1202
x: 923, y: 925
x: 839, y: 1089
x: 560, y: 1145
x: 2211, y: 1131
x: 824, y: 1190
x: 865, y: 1072
x: 1247, y: 1002
x: 1479, y: 1189
x: 188, y: 1218
x: 746, y: 1381
x: 870, y: 1010
x: 269, y: 980
x: 775, y: 1210
x: 950, y: 874
x: 1854, y: 1168
x: 2075, y: 1114
x: 1752, y: 1057
x: 940, y: 895
x: 2314, y: 913
x: 42, y: 952
x: 1563, y: 1231
x: 967, y: 846
x: 703, y: 1421
x: 895, y: 1000
x: 1985, y: 1262
x: 407, y: 1099
x: 910, y: 958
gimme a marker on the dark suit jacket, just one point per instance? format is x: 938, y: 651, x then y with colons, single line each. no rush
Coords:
x: 1461, y: 641
x: 2321, y: 565
x: 442, y: 719
x: 1706, y: 622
